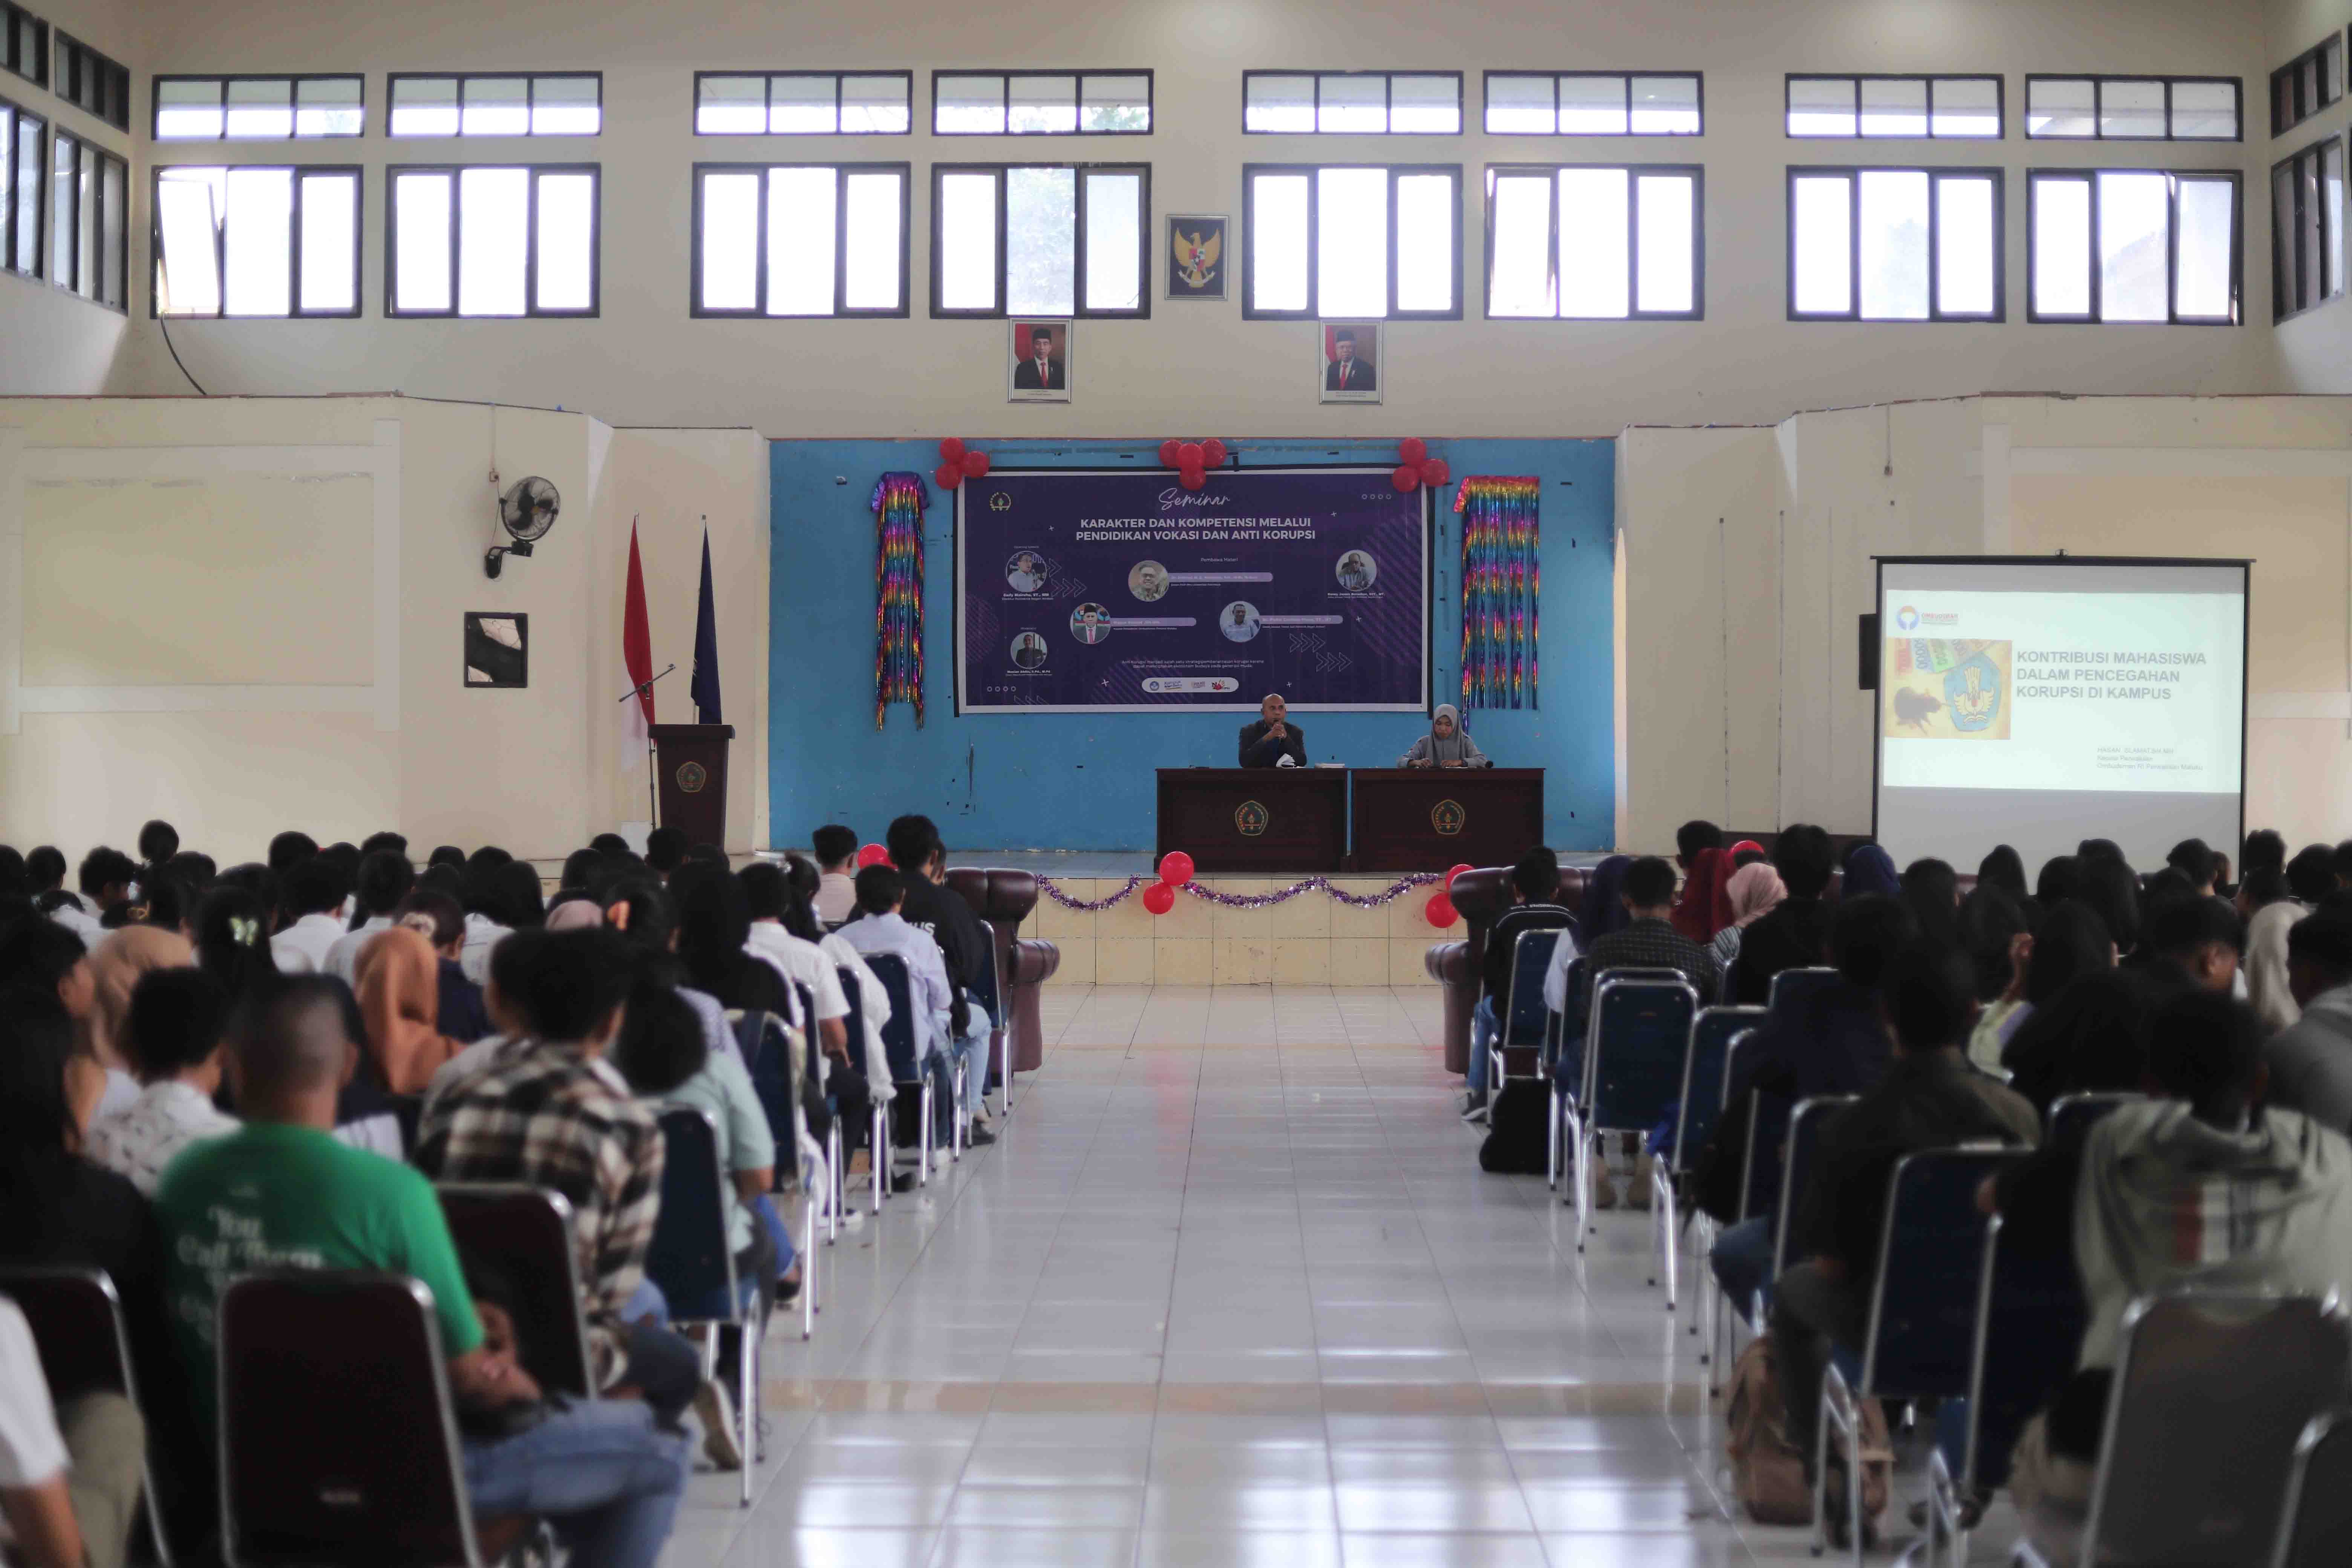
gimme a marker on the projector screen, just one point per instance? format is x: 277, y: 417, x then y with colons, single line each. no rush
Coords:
x: 2038, y: 704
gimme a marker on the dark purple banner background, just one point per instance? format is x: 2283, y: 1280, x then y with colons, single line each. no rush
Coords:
x: 1085, y: 591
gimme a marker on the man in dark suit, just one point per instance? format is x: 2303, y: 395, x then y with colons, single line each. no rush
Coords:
x: 1041, y: 372
x: 1346, y: 372
x: 1273, y: 737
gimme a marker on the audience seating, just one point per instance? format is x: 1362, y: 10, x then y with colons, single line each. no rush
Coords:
x: 1634, y: 1054
x: 1706, y: 1079
x: 1806, y: 1119
x: 2316, y: 1528
x: 1523, y: 1016
x: 1564, y: 1040
x: 995, y: 1061
x: 1793, y: 988
x: 2072, y: 1114
x: 85, y: 1348
x: 526, y: 1231
x: 694, y: 1266
x: 337, y: 1437
x: 1480, y: 896
x: 906, y: 1074
x: 2211, y: 1394
x: 877, y: 1137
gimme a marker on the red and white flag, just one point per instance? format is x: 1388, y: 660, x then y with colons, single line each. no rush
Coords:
x: 637, y: 654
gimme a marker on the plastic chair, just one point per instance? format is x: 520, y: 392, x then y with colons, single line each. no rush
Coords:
x: 338, y: 1438
x: 1793, y: 988
x: 692, y: 1262
x: 1706, y: 1076
x: 877, y: 1134
x: 2072, y: 1114
x: 1524, y: 1019
x: 988, y: 992
x: 1634, y: 1056
x: 528, y: 1231
x: 85, y: 1347
x: 2315, y: 1530
x: 1567, y: 1034
x: 1797, y: 1150
x: 1923, y: 1308
x: 905, y: 1061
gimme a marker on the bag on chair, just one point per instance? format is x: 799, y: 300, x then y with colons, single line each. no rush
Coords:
x: 1767, y: 1473
x: 1516, y: 1142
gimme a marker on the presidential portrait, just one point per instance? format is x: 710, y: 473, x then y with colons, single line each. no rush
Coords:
x: 1041, y: 362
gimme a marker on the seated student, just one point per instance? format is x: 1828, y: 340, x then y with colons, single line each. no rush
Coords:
x: 1930, y: 1099
x: 43, y: 957
x: 2196, y: 862
x: 1749, y: 893
x: 966, y: 947
x: 282, y: 1191
x: 2194, y: 942
x: 2269, y: 914
x: 1272, y: 741
x: 1602, y: 910
x: 399, y: 993
x: 880, y: 930
x: 2197, y: 1186
x: 1447, y: 744
x: 45, y: 878
x: 173, y: 1040
x: 1992, y: 931
x: 784, y: 930
x: 2310, y: 1062
x: 666, y: 851
x: 1650, y: 939
x: 70, y: 1473
x: 836, y: 889
x: 1535, y: 889
x: 2068, y: 943
x: 1790, y: 937
x: 801, y: 962
x: 646, y: 913
x: 115, y: 966
x: 549, y: 1111
x: 290, y: 849
x: 384, y: 879
x: 158, y: 842
x: 313, y: 893
x: 1693, y: 836
x: 438, y: 918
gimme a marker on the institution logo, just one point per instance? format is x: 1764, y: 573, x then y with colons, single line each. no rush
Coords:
x: 1907, y: 619
x: 1448, y: 817
x: 1000, y: 501
x: 691, y: 777
x: 1251, y: 819
x: 1910, y: 620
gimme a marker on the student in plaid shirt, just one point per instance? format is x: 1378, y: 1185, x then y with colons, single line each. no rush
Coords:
x: 1650, y: 941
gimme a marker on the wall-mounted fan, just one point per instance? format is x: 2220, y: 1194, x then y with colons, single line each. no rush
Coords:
x: 526, y: 511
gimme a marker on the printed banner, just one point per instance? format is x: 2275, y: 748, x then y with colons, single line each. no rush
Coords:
x: 1092, y: 590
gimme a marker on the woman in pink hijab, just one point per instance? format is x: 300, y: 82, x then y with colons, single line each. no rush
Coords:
x: 1751, y: 892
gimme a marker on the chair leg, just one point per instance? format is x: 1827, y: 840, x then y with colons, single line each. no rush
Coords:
x: 878, y: 1151
x: 1551, y: 1140
x: 923, y: 1144
x: 835, y: 1154
x: 1580, y: 1155
x: 808, y: 1267
x: 1661, y: 1199
x: 747, y: 1394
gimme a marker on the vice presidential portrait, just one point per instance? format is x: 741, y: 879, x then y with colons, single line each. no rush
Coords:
x: 1349, y: 372
x: 1148, y: 581
x: 1028, y: 650
x: 1272, y: 741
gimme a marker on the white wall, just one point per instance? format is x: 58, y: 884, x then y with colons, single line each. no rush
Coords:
x: 1191, y: 367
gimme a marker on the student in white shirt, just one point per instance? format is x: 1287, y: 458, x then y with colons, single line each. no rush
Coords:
x: 836, y: 889
x: 313, y: 893
x: 68, y: 1495
x: 878, y: 929
x: 173, y: 1040
x: 766, y: 890
x: 781, y: 927
x: 384, y: 879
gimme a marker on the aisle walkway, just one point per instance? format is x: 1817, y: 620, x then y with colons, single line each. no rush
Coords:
x: 1232, y: 1291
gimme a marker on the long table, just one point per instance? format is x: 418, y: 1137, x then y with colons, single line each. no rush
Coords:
x: 1339, y: 819
x: 1426, y: 819
x: 1255, y: 819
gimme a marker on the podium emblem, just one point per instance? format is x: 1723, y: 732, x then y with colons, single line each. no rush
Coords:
x: 1251, y: 819
x: 1448, y: 817
x: 691, y: 777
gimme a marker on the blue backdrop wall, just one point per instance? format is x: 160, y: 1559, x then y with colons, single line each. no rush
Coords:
x: 1083, y: 781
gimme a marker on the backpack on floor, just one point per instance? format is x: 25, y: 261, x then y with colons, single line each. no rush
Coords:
x: 1767, y: 1473
x: 1518, y: 1142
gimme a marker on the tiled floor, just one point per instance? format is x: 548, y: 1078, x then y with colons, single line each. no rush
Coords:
x: 1230, y: 1289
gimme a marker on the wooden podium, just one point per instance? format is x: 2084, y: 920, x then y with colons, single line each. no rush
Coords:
x: 1426, y: 819
x: 690, y: 761
x: 1254, y: 819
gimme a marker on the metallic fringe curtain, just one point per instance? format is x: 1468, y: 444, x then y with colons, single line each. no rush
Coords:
x: 1500, y: 585
x: 897, y: 505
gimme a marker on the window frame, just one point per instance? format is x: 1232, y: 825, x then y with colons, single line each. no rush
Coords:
x: 2036, y: 316
x: 1079, y: 311
x: 10, y: 240
x: 2290, y: 75
x: 1486, y: 103
x: 90, y: 170
x: 392, y: 79
x: 768, y: 102
x: 1078, y: 96
x: 531, y: 311
x: 842, y: 310
x: 1388, y: 100
x: 294, y: 311
x: 1250, y: 172
x: 1927, y: 80
x: 293, y: 80
x: 2099, y: 83
x: 11, y: 60
x: 1937, y: 315
x: 2331, y: 260
x: 1635, y: 172
x: 79, y: 60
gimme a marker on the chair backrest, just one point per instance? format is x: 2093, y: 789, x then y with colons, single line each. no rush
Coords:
x: 1797, y: 1150
x: 1524, y: 1014
x: 2072, y: 1114
x: 768, y: 1058
x: 2030, y: 1320
x: 898, y: 1033
x: 2211, y: 1394
x: 2316, y: 1531
x: 526, y: 1233
x: 690, y: 1257
x: 812, y: 1054
x: 1564, y: 1037
x: 1793, y: 988
x: 1706, y: 1075
x: 338, y: 1439
x: 1768, y: 1133
x: 1923, y: 1306
x: 855, y: 1022
x: 988, y: 988
x: 77, y: 1322
x: 1634, y: 1049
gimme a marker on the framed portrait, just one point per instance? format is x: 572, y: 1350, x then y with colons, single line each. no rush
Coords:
x: 1347, y: 362
x: 1196, y: 257
x: 1039, y: 370
x: 498, y: 649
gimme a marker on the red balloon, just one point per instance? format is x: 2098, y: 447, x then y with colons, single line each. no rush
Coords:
x: 1455, y: 872
x: 1412, y: 449
x: 1160, y: 898
x: 1188, y: 455
x: 952, y: 450
x: 1435, y: 472
x: 1440, y: 910
x: 1406, y: 477
x: 1212, y: 452
x: 1175, y: 868
x: 975, y: 464
x: 1168, y: 452
x: 1191, y: 479
x: 948, y: 476
x: 873, y: 855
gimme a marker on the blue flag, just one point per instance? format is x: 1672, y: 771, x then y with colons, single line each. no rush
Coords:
x: 706, y: 648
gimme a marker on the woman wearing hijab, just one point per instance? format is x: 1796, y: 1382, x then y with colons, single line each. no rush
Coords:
x: 1693, y: 913
x: 1447, y: 744
x: 1752, y: 892
x: 1602, y: 911
x: 1870, y: 873
x: 115, y: 965
x: 400, y: 998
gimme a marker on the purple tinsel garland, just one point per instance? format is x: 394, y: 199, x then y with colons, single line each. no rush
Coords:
x: 1249, y: 901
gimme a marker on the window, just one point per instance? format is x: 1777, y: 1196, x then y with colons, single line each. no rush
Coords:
x: 1895, y: 244
x: 1041, y: 240
x: 1582, y: 243
x: 258, y: 107
x: 2307, y: 228
x: 2133, y: 244
x: 1042, y: 103
x: 2133, y: 109
x: 800, y: 239
x: 22, y: 189
x: 1592, y: 103
x: 2307, y: 84
x: 89, y: 206
x: 1351, y: 239
x: 492, y: 241
x: 1937, y: 106
x: 803, y: 103
x: 1351, y: 103
x: 498, y: 105
x: 91, y: 82
x: 248, y: 241
x: 23, y: 44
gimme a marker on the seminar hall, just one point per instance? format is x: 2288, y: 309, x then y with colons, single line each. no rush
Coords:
x: 1169, y: 783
